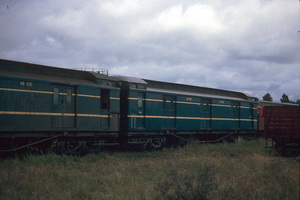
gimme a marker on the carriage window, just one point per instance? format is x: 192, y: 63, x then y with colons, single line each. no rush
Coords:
x: 172, y: 106
x: 104, y: 99
x: 251, y: 109
x: 205, y: 107
x: 55, y: 96
x: 69, y: 96
x: 140, y: 102
x: 165, y: 104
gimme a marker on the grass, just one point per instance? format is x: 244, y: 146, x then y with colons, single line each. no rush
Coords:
x: 243, y: 170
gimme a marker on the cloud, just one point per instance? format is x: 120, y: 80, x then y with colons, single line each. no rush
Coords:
x: 249, y: 46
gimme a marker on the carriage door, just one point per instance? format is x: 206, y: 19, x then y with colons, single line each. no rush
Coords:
x: 251, y: 115
x: 235, y: 109
x: 205, y: 123
x: 168, y: 120
x: 63, y: 107
x: 105, y: 108
x: 140, y: 119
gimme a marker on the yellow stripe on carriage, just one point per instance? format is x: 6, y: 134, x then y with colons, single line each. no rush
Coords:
x: 193, y: 118
x: 51, y: 114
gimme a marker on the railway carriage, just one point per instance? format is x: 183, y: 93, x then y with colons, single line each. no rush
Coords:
x: 156, y: 113
x: 40, y: 103
x: 280, y: 123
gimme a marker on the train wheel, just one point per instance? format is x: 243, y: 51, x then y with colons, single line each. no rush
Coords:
x: 157, y: 143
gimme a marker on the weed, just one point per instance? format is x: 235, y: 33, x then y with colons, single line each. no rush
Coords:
x: 181, y: 185
x: 244, y: 170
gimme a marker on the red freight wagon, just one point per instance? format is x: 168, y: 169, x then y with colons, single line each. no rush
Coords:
x: 282, y: 125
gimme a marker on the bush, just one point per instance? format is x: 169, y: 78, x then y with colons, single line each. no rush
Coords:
x: 181, y: 185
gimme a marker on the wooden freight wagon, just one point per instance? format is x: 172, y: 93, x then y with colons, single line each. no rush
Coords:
x: 282, y: 126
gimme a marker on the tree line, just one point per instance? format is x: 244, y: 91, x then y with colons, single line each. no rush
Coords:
x: 283, y: 99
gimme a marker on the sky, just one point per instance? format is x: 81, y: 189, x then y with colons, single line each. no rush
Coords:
x: 250, y: 46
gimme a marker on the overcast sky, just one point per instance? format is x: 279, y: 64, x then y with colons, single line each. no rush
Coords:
x: 251, y: 46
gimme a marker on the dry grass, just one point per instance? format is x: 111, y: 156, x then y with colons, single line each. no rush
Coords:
x: 244, y: 170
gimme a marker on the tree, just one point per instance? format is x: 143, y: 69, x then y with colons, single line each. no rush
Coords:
x: 285, y: 99
x: 298, y: 101
x: 267, y: 97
